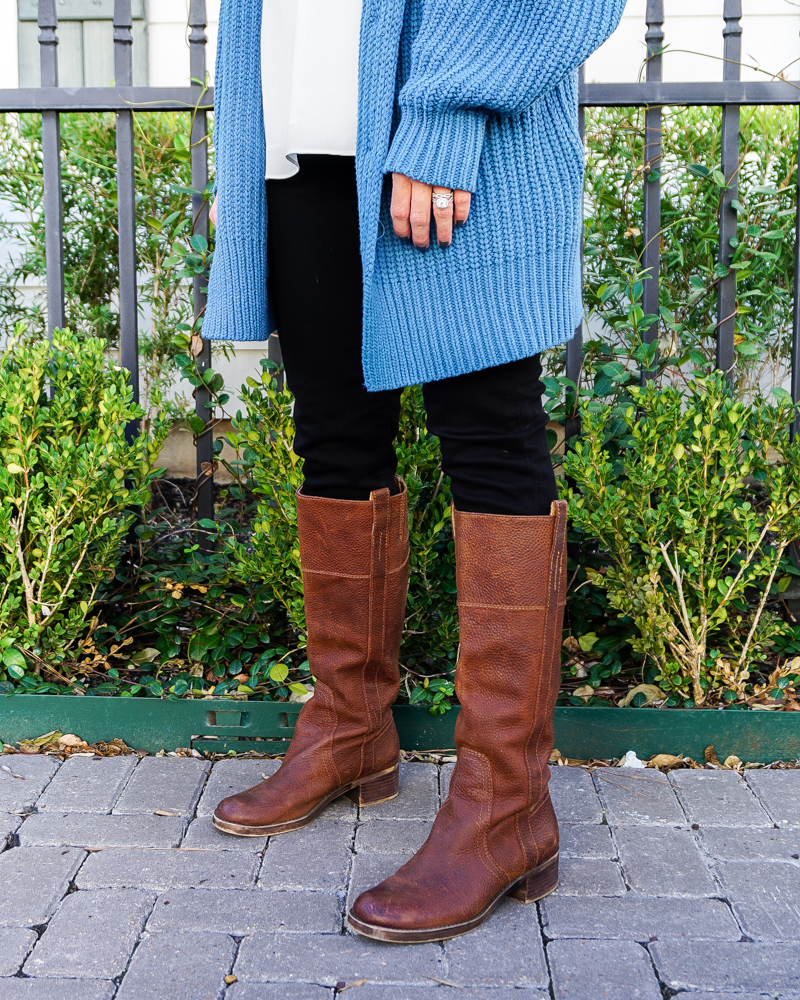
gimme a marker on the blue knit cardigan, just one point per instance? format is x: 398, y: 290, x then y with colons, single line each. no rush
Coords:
x: 473, y: 94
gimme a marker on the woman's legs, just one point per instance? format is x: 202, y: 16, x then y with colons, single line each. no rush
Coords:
x: 343, y: 433
x: 352, y: 515
x: 492, y: 429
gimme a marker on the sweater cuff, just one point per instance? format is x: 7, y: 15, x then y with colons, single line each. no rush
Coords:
x: 442, y: 148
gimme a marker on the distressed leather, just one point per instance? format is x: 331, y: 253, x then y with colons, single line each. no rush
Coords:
x: 354, y: 557
x: 497, y: 823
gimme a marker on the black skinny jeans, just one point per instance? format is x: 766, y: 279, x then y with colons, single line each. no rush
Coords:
x: 490, y: 423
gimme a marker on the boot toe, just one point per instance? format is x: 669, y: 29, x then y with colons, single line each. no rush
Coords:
x: 381, y: 907
x: 233, y: 810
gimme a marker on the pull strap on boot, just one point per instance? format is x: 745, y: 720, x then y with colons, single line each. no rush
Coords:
x: 354, y: 556
x: 496, y: 833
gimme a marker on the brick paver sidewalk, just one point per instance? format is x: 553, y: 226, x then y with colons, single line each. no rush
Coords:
x: 683, y: 885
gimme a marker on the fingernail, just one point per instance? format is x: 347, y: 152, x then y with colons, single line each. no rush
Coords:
x: 460, y: 223
x: 422, y: 249
x: 444, y: 246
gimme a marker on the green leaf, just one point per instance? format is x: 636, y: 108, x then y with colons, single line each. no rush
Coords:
x: 587, y: 641
x: 279, y: 673
x: 199, y: 243
x: 13, y: 658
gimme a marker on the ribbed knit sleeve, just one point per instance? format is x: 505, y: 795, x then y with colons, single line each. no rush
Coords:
x: 471, y: 58
x: 237, y: 291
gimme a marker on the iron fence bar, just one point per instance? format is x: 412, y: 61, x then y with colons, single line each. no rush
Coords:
x: 669, y: 92
x: 204, y: 443
x: 117, y: 98
x: 728, y: 219
x: 126, y: 207
x: 51, y: 171
x: 574, y: 348
x: 653, y: 121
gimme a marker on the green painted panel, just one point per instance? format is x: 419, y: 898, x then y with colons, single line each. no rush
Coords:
x: 150, y: 724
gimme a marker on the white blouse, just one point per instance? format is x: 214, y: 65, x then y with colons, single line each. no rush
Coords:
x: 309, y: 69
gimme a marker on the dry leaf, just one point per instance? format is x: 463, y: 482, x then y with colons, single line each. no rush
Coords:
x: 162, y: 812
x: 710, y: 755
x: 665, y: 761
x: 652, y: 692
x: 13, y: 773
x: 230, y: 980
x: 732, y: 761
x: 585, y: 692
x: 71, y: 740
x: 571, y: 644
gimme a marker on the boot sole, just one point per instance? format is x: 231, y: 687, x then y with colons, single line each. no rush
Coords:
x: 534, y: 885
x: 369, y: 791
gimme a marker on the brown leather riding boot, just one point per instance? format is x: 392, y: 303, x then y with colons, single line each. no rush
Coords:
x: 354, y: 556
x: 496, y: 833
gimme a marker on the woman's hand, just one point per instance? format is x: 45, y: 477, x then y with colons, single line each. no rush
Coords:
x: 412, y: 206
x: 212, y: 213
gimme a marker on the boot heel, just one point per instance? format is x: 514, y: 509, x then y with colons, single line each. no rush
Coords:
x: 379, y: 789
x: 540, y: 883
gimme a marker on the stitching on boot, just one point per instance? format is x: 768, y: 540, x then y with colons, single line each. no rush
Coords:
x: 484, y: 769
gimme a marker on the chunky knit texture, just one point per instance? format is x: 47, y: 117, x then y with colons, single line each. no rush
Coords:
x: 471, y: 94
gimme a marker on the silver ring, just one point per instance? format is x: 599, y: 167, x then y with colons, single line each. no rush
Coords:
x: 442, y: 201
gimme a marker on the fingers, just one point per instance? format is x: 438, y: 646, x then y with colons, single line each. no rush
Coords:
x: 212, y: 215
x: 421, y: 215
x: 401, y: 206
x: 462, y: 203
x: 412, y: 208
x: 443, y: 216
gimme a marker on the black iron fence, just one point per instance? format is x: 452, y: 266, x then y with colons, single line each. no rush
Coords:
x: 197, y: 100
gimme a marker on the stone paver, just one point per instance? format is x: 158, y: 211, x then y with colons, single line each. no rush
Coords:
x: 15, y: 943
x: 372, y: 869
x: 9, y: 824
x: 581, y: 877
x: 654, y: 869
x: 574, y: 797
x: 506, y: 952
x: 638, y: 797
x: 580, y: 840
x: 728, y: 844
x: 418, y: 798
x: 718, y: 798
x: 779, y: 792
x: 164, y: 783
x: 445, y: 774
x: 162, y: 870
x: 315, y: 858
x: 56, y: 989
x: 85, y: 830
x: 759, y: 882
x: 87, y: 785
x: 725, y: 966
x: 203, y: 833
x: 282, y: 991
x: 32, y: 882
x: 635, y: 918
x: 229, y: 777
x: 369, y: 992
x: 382, y: 836
x: 591, y: 970
x: 92, y: 935
x: 240, y: 912
x: 328, y: 959
x: 662, y: 861
x: 20, y: 794
x: 181, y: 966
x: 770, y: 921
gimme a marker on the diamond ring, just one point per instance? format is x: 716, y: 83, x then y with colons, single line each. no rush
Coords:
x: 442, y: 200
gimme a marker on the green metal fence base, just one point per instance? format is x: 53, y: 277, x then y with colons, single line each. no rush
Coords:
x: 220, y: 726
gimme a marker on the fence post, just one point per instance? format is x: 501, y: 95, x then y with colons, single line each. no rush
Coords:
x: 726, y: 290
x: 204, y: 443
x: 651, y: 255
x: 51, y: 171
x: 126, y: 207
